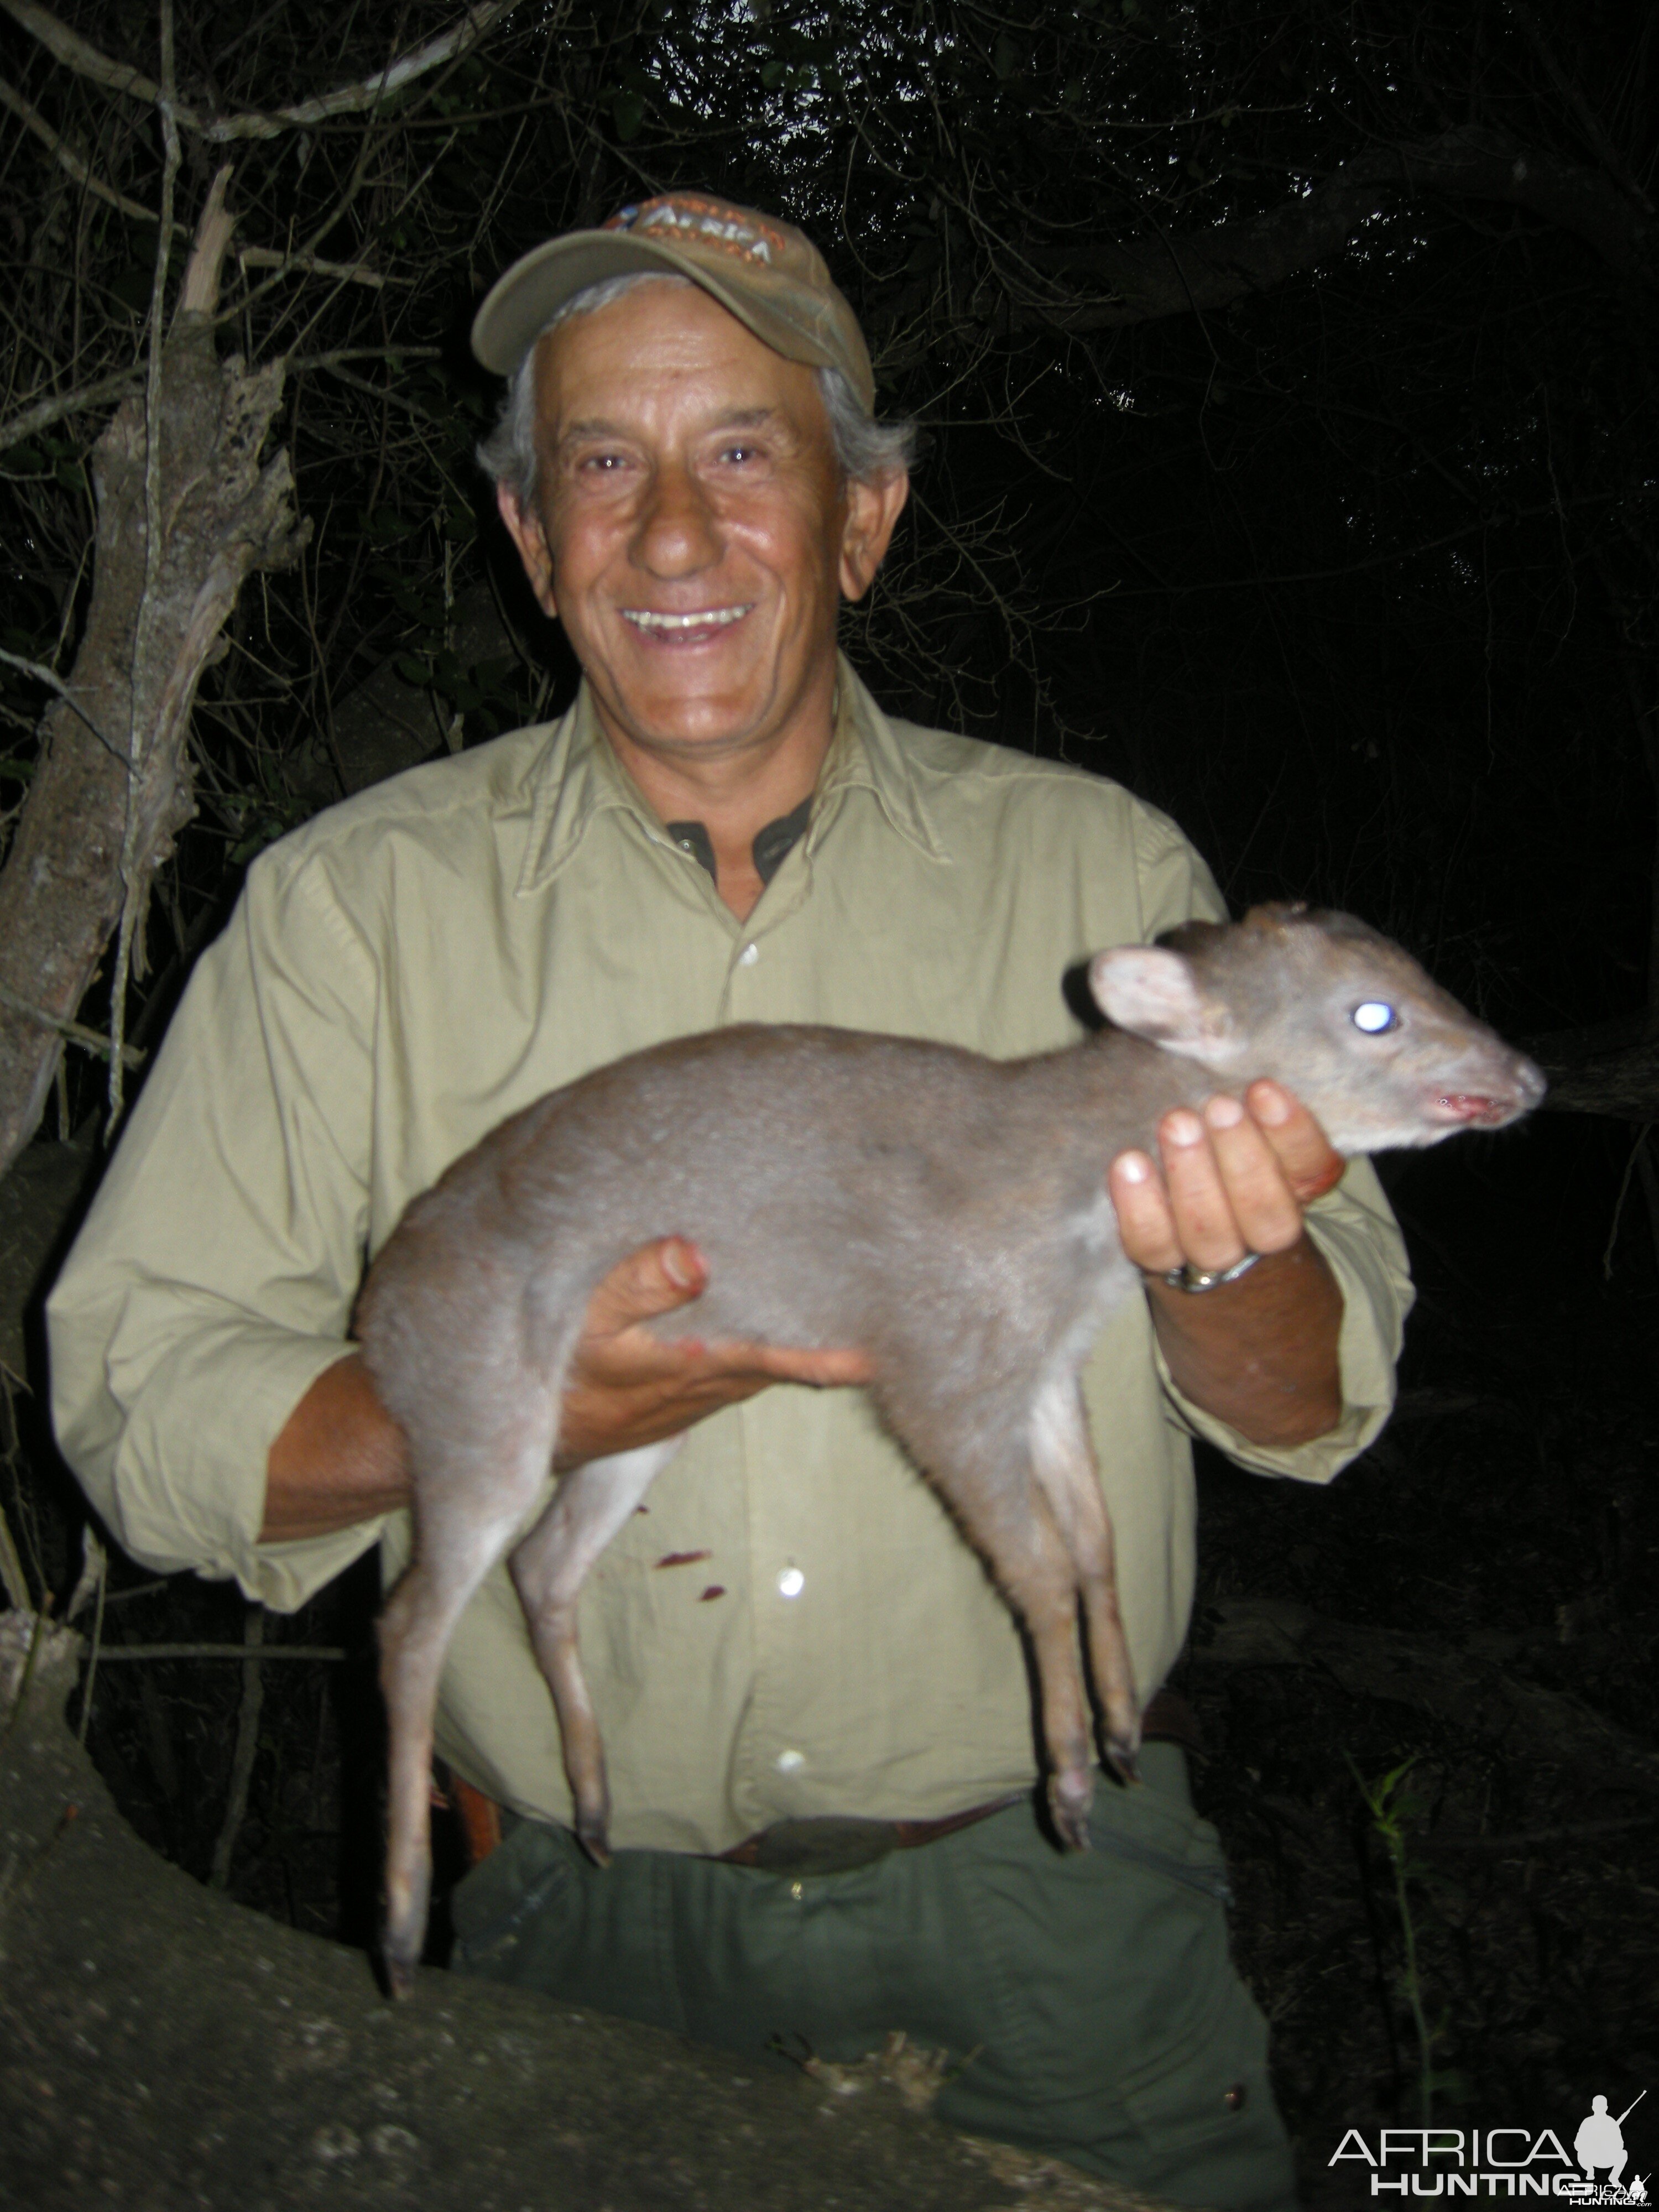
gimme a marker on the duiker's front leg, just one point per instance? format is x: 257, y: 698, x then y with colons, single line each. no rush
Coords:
x: 1063, y: 1460
x: 466, y: 1506
x: 548, y: 1568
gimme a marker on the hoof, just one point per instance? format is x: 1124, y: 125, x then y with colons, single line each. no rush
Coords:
x: 399, y: 1969
x: 1069, y: 1799
x: 595, y: 1842
x: 1124, y: 1759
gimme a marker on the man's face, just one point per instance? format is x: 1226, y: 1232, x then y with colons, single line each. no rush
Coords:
x: 690, y: 528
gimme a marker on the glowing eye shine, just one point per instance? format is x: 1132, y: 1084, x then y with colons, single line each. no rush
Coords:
x: 1375, y: 1017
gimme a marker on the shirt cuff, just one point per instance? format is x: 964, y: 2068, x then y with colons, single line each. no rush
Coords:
x: 190, y: 1474
x: 1356, y: 1235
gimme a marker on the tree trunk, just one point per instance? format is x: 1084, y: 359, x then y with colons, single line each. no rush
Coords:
x: 160, y: 2046
x: 115, y: 740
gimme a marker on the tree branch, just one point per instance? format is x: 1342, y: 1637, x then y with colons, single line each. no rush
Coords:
x: 70, y: 161
x: 1209, y: 270
x: 91, y: 1040
x: 75, y: 52
x: 312, y: 264
x: 44, y: 412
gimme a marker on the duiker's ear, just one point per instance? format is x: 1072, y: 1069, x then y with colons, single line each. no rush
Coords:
x: 1150, y: 991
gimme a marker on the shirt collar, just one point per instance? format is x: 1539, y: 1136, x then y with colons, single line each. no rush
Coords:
x: 866, y: 754
x: 579, y: 777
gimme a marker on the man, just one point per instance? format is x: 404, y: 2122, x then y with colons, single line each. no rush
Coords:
x: 815, y: 1708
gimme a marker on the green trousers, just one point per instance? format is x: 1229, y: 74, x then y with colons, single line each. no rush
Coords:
x: 1087, y: 2000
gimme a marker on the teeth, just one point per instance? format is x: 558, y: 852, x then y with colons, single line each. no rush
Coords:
x: 710, y: 618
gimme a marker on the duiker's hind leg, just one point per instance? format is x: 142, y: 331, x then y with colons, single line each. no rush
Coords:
x: 548, y: 1568
x: 989, y: 1482
x: 1063, y: 1460
x: 466, y: 1513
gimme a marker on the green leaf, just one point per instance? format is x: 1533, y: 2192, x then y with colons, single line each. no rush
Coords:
x: 772, y: 75
x: 627, y: 113
x: 1005, y: 56
x: 412, y: 670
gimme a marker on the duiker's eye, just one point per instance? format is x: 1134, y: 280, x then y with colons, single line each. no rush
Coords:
x: 1374, y: 1017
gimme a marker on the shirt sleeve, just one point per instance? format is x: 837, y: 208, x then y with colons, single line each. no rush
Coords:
x: 1353, y: 1225
x: 213, y: 1278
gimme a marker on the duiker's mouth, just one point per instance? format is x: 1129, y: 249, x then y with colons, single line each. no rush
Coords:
x: 1481, y: 1109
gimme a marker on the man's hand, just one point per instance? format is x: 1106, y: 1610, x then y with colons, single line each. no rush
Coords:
x: 628, y: 1387
x: 340, y: 1458
x: 1260, y: 1354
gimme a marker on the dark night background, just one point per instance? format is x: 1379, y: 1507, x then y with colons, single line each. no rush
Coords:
x: 1289, y: 382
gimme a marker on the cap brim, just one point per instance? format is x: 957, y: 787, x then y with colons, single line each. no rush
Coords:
x: 520, y: 304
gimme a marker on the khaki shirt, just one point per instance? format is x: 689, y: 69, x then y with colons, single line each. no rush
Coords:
x: 792, y: 1626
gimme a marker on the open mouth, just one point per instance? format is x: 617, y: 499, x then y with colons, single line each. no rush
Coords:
x: 1453, y: 1107
x: 704, y: 622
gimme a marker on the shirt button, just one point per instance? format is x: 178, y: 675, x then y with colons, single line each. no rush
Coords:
x: 749, y: 956
x: 791, y: 1582
x: 791, y: 1762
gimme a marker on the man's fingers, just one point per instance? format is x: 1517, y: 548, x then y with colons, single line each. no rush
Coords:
x: 1310, y: 1164
x: 1207, y: 1225
x: 1234, y: 1180
x: 656, y: 1279
x: 1263, y: 1208
x: 824, y: 1370
x: 1145, y: 1222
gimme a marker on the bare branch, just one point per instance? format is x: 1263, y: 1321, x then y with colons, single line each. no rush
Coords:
x: 349, y: 98
x: 312, y: 264
x: 1208, y: 270
x: 74, y: 52
x: 44, y: 412
x: 200, y: 292
x: 70, y: 161
x: 76, y: 1032
x: 38, y: 672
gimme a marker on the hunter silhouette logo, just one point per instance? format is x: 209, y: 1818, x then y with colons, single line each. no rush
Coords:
x: 1599, y: 2142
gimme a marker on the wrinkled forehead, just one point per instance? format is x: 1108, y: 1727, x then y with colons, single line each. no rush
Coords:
x: 665, y: 359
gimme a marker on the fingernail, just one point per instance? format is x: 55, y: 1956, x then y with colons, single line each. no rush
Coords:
x: 680, y: 1264
x: 1222, y: 1112
x: 1133, y: 1167
x: 1269, y: 1104
x: 1182, y: 1128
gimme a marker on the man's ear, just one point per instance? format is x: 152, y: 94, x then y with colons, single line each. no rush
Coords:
x: 523, y: 526
x: 873, y: 507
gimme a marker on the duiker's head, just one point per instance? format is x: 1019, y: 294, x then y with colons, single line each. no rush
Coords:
x: 1323, y: 1004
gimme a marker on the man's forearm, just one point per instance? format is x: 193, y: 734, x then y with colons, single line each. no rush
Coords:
x: 1262, y: 1353
x: 339, y: 1460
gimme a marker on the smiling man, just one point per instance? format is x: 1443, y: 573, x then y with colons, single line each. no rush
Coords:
x: 815, y: 1709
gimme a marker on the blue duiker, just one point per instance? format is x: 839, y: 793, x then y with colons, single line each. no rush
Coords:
x: 945, y: 1214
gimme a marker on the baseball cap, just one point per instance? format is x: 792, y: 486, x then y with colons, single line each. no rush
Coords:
x: 766, y: 272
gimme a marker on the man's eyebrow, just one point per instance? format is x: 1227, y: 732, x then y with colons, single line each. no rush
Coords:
x: 597, y: 426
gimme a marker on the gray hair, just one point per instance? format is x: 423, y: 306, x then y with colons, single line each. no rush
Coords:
x: 865, y: 449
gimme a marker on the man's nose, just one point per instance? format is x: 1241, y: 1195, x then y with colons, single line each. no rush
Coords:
x: 676, y: 534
